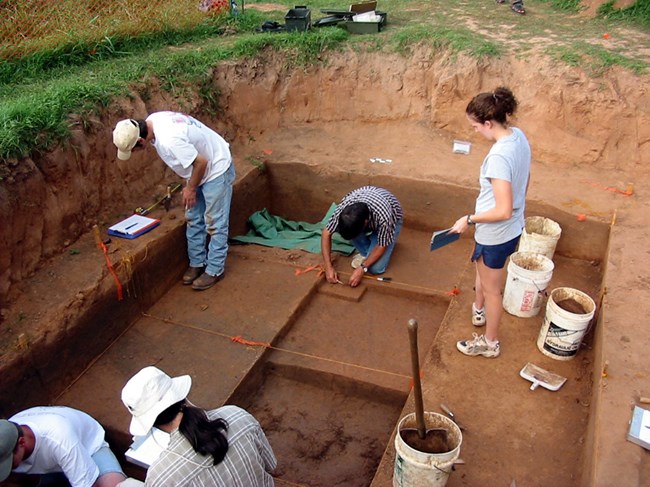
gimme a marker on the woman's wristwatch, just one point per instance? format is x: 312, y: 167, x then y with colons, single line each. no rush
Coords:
x: 469, y: 220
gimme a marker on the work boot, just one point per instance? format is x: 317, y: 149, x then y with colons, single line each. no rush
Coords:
x: 206, y: 281
x: 191, y: 274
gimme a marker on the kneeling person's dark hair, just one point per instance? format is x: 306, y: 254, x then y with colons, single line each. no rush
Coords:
x: 352, y: 220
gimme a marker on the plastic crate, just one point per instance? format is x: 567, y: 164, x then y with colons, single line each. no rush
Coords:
x: 298, y: 18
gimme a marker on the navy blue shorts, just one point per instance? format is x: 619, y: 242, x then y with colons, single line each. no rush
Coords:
x: 495, y: 256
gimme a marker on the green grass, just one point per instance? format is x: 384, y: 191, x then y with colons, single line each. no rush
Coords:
x: 595, y: 60
x: 566, y: 5
x: 36, y: 115
x: 638, y: 13
x: 53, y: 62
x: 44, y: 94
x: 457, y: 39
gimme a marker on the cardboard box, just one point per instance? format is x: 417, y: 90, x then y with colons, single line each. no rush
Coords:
x: 362, y: 7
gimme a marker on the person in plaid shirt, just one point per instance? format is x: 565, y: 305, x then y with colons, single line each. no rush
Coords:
x: 221, y: 447
x: 371, y: 218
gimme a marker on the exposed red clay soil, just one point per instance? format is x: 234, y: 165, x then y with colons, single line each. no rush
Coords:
x: 590, y: 141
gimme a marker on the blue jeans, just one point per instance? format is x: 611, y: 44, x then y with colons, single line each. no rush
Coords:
x: 364, y: 245
x: 103, y: 458
x: 210, y: 216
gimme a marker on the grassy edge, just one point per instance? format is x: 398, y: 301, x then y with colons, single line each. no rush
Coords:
x: 37, y: 116
x: 79, y: 80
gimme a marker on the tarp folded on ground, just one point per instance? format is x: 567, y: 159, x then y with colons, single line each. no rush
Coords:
x: 274, y: 231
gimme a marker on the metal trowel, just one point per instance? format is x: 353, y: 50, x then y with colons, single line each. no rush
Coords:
x: 432, y: 440
x: 540, y: 377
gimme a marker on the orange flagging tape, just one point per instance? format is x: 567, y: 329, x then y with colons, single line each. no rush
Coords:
x: 412, y: 382
x: 113, y: 273
x: 628, y: 192
x: 453, y: 292
x: 318, y: 267
x: 239, y: 339
x: 104, y: 250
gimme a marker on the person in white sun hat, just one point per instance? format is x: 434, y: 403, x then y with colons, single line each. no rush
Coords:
x: 202, y: 157
x: 221, y: 447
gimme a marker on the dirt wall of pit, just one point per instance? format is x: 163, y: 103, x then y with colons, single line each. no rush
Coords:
x: 50, y: 199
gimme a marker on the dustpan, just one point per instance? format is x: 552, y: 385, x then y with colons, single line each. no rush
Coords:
x: 540, y: 377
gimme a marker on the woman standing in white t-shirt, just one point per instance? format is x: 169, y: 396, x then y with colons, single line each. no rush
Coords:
x: 498, y: 213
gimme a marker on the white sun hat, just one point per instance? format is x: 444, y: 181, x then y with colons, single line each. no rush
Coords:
x: 148, y: 393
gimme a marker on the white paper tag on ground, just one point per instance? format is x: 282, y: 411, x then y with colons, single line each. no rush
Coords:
x: 461, y: 147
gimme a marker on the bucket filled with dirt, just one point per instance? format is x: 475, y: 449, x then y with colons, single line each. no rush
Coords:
x: 425, y: 461
x: 568, y: 315
x: 540, y: 235
x: 528, y: 276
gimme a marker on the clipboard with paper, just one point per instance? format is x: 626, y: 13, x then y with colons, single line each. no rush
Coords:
x: 133, y: 226
x: 146, y: 449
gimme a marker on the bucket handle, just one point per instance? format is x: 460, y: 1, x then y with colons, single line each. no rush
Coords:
x: 451, y: 463
x: 539, y: 291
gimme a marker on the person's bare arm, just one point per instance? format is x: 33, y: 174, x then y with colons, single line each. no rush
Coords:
x: 374, y: 255
x: 326, y: 249
x: 502, y: 209
x: 199, y: 167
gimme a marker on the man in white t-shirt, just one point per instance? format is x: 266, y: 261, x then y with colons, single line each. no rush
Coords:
x: 54, y: 444
x: 202, y: 157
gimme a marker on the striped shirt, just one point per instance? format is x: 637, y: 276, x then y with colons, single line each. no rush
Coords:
x: 247, y: 463
x: 385, y: 212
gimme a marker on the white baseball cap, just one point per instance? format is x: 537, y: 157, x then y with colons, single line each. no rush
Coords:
x: 125, y: 136
x: 148, y: 393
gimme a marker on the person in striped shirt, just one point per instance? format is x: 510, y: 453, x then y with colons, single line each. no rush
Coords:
x: 371, y: 218
x: 223, y: 447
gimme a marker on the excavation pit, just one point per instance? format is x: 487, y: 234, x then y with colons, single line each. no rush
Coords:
x: 328, y: 377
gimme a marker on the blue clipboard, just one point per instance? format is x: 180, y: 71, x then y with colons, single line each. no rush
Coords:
x: 442, y: 238
x: 133, y: 227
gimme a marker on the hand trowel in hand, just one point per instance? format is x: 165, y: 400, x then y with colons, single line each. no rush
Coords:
x: 541, y: 377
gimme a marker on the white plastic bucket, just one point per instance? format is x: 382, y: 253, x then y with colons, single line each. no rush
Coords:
x: 564, y: 326
x: 528, y: 276
x: 414, y: 468
x: 540, y: 235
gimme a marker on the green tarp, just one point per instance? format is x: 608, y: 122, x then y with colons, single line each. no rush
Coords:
x: 274, y: 231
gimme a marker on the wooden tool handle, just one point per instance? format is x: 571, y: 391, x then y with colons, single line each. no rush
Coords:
x: 417, y: 386
x: 98, y: 238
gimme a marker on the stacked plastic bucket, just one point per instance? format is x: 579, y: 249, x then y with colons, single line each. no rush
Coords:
x: 568, y: 311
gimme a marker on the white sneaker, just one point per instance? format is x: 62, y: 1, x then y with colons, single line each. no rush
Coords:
x: 357, y: 261
x: 478, y: 346
x: 478, y: 316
